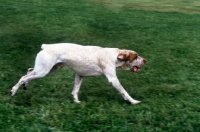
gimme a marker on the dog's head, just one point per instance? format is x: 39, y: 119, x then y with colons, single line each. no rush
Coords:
x: 133, y: 62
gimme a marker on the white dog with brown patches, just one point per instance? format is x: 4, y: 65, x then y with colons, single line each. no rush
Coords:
x: 85, y: 61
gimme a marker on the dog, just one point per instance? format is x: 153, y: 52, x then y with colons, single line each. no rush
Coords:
x: 84, y: 61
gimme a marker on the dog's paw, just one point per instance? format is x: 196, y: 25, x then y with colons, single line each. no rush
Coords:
x: 77, y: 101
x: 12, y: 93
x: 135, y: 102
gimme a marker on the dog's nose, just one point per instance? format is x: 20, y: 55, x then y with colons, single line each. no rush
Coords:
x: 144, y: 60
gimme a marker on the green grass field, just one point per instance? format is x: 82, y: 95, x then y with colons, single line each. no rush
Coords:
x: 167, y: 33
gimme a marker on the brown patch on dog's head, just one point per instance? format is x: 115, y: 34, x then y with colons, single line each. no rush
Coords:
x: 132, y: 56
x: 127, y: 56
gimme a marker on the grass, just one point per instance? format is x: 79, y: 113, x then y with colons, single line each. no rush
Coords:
x: 156, y: 5
x: 165, y: 32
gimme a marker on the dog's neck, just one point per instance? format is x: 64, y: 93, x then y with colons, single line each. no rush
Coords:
x: 123, y: 65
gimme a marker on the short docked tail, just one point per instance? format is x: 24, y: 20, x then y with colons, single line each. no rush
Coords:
x: 43, y: 46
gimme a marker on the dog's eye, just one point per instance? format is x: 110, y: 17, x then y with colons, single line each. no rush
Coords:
x: 136, y: 58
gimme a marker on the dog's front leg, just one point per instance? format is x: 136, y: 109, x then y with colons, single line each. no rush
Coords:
x: 112, y: 78
x: 115, y: 82
x: 77, y: 84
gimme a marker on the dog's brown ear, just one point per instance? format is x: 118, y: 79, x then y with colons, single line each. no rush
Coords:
x: 127, y: 56
x: 132, y: 56
x: 122, y: 57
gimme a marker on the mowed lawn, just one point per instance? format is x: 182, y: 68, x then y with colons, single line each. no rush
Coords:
x: 166, y: 33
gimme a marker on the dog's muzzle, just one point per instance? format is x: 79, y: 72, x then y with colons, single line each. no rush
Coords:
x: 135, y: 69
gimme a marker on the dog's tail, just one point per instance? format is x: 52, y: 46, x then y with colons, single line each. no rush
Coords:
x: 43, y: 46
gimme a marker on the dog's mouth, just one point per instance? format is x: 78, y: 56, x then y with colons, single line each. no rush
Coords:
x: 135, y: 69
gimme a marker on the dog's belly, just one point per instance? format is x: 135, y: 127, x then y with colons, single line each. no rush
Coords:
x: 88, y: 71
x: 85, y: 70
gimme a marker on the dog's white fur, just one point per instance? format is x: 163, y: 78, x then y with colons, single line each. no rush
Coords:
x: 85, y: 61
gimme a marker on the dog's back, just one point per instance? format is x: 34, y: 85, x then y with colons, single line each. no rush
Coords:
x: 70, y: 46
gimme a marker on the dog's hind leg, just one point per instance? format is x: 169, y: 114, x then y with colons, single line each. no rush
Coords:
x: 52, y: 71
x: 43, y: 65
x: 25, y: 85
x: 33, y: 75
